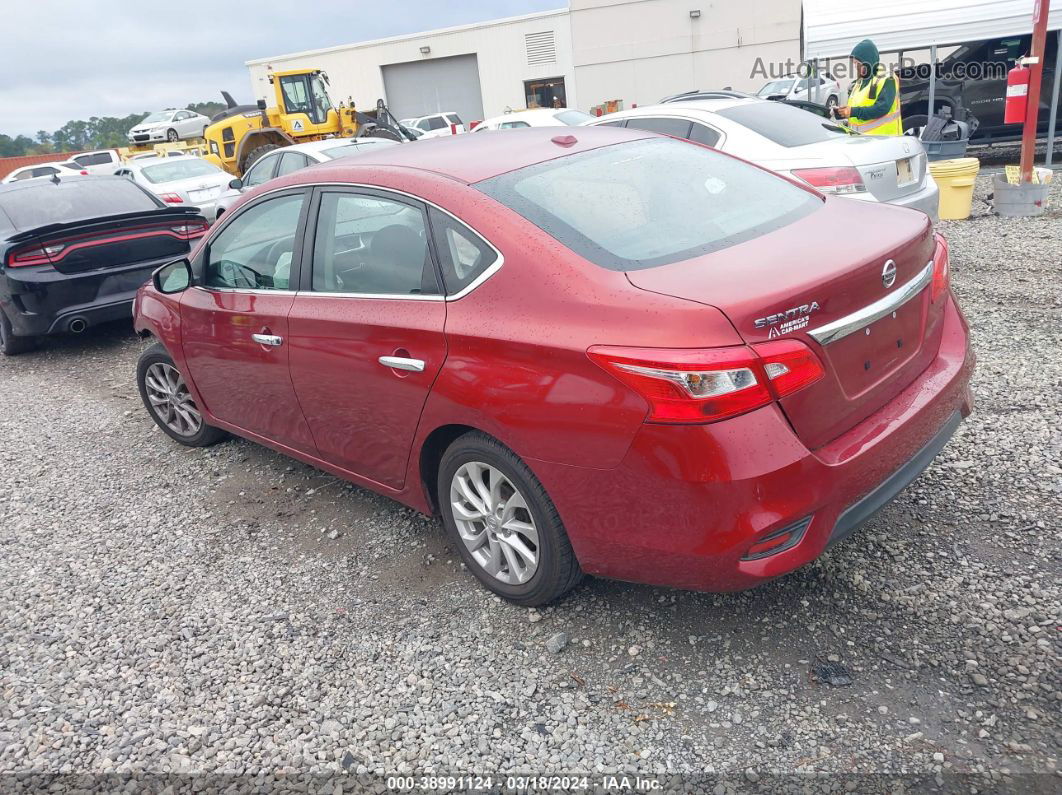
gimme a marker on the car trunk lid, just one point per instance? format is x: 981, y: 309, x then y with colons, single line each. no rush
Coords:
x: 891, y: 166
x: 794, y: 282
x: 94, y: 243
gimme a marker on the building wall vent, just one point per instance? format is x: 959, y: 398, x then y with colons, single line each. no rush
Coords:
x: 541, y: 48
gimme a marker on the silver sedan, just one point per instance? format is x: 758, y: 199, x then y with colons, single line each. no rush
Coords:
x: 799, y: 144
x: 189, y: 181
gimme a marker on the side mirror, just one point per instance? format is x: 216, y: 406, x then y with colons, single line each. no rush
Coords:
x: 236, y: 184
x: 173, y: 277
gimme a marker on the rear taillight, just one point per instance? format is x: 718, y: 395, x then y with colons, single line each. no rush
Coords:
x: 941, y: 270
x: 35, y: 255
x: 190, y: 230
x: 711, y: 384
x: 839, y: 180
x: 171, y: 198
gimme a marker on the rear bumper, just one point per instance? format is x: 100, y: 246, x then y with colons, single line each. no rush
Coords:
x: 41, y: 301
x: 687, y: 502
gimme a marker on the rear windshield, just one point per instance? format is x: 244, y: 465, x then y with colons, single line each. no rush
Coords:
x: 43, y: 203
x: 652, y: 202
x: 783, y: 124
x: 182, y: 168
x: 776, y: 87
x: 572, y: 117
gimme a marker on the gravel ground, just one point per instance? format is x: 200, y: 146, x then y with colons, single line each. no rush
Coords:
x: 230, y: 611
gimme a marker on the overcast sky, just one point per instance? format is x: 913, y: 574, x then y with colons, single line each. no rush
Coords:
x: 72, y: 59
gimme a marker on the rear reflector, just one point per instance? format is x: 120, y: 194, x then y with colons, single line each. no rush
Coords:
x: 778, y: 541
x: 941, y: 270
x: 707, y: 385
x: 838, y: 180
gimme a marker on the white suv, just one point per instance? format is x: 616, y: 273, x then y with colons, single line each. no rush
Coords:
x: 436, y: 125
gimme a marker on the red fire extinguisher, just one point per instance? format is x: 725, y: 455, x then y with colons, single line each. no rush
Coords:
x: 1017, y: 94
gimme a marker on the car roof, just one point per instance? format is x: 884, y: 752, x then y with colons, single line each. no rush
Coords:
x: 26, y: 184
x: 471, y: 158
x: 331, y: 143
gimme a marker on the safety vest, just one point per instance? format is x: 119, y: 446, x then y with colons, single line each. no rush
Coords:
x: 865, y: 95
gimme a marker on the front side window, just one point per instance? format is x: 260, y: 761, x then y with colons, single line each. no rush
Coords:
x: 372, y: 246
x: 261, y: 171
x: 296, y: 97
x: 463, y: 255
x: 254, y: 251
x: 650, y: 202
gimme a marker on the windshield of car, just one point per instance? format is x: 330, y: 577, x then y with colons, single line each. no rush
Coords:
x: 42, y: 203
x: 180, y: 168
x: 572, y: 117
x: 775, y: 87
x: 651, y: 202
x: 159, y: 115
x: 783, y: 124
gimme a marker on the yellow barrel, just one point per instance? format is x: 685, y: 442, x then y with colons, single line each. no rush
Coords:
x: 955, y: 178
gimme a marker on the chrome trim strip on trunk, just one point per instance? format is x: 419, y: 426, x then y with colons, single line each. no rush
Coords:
x: 861, y: 318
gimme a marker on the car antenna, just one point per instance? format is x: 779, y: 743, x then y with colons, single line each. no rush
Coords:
x: 55, y: 179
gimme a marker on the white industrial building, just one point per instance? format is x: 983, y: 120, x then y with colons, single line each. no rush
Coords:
x: 594, y: 51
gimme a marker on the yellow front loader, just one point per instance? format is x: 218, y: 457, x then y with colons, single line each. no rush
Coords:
x: 301, y: 111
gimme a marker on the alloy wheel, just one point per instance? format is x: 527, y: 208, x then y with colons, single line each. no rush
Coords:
x: 170, y: 400
x: 494, y: 522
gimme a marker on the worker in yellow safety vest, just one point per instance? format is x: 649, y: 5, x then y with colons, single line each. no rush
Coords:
x: 874, y: 101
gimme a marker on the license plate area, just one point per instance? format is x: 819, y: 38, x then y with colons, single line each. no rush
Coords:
x: 866, y: 357
x: 203, y: 195
x: 905, y: 174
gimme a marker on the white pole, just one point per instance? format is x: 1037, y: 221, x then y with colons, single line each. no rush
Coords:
x: 932, y: 81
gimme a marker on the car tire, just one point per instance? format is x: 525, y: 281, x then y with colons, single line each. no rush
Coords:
x: 172, y: 136
x: 10, y: 343
x: 913, y: 125
x: 539, y: 527
x: 257, y: 152
x: 152, y: 369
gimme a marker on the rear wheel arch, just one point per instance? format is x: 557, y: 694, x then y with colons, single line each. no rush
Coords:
x: 431, y: 453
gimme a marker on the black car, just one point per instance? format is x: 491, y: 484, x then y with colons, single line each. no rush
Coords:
x: 73, y: 252
x: 972, y: 84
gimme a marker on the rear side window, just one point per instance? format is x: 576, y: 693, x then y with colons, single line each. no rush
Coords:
x: 651, y: 202
x: 95, y: 159
x: 453, y: 118
x: 371, y: 246
x: 703, y: 134
x: 572, y: 117
x: 435, y: 123
x: 463, y: 255
x: 77, y: 200
x: 679, y: 128
x: 783, y: 124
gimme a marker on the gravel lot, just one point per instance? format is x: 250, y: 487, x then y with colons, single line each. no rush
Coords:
x: 231, y: 611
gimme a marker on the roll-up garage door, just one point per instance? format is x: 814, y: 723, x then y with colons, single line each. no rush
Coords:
x: 419, y: 88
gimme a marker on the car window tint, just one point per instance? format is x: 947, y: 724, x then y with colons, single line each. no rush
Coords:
x: 703, y: 134
x: 254, y: 251
x: 45, y: 171
x: 453, y: 118
x: 512, y: 125
x: 650, y: 202
x: 96, y: 159
x: 291, y: 162
x: 783, y: 124
x: 463, y: 255
x: 370, y: 245
x: 436, y: 123
x: 260, y: 172
x: 680, y: 128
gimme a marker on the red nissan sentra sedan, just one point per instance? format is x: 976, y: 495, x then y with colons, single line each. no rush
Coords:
x: 603, y: 351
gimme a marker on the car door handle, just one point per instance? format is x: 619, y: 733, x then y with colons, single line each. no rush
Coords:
x: 401, y: 363
x: 267, y: 339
